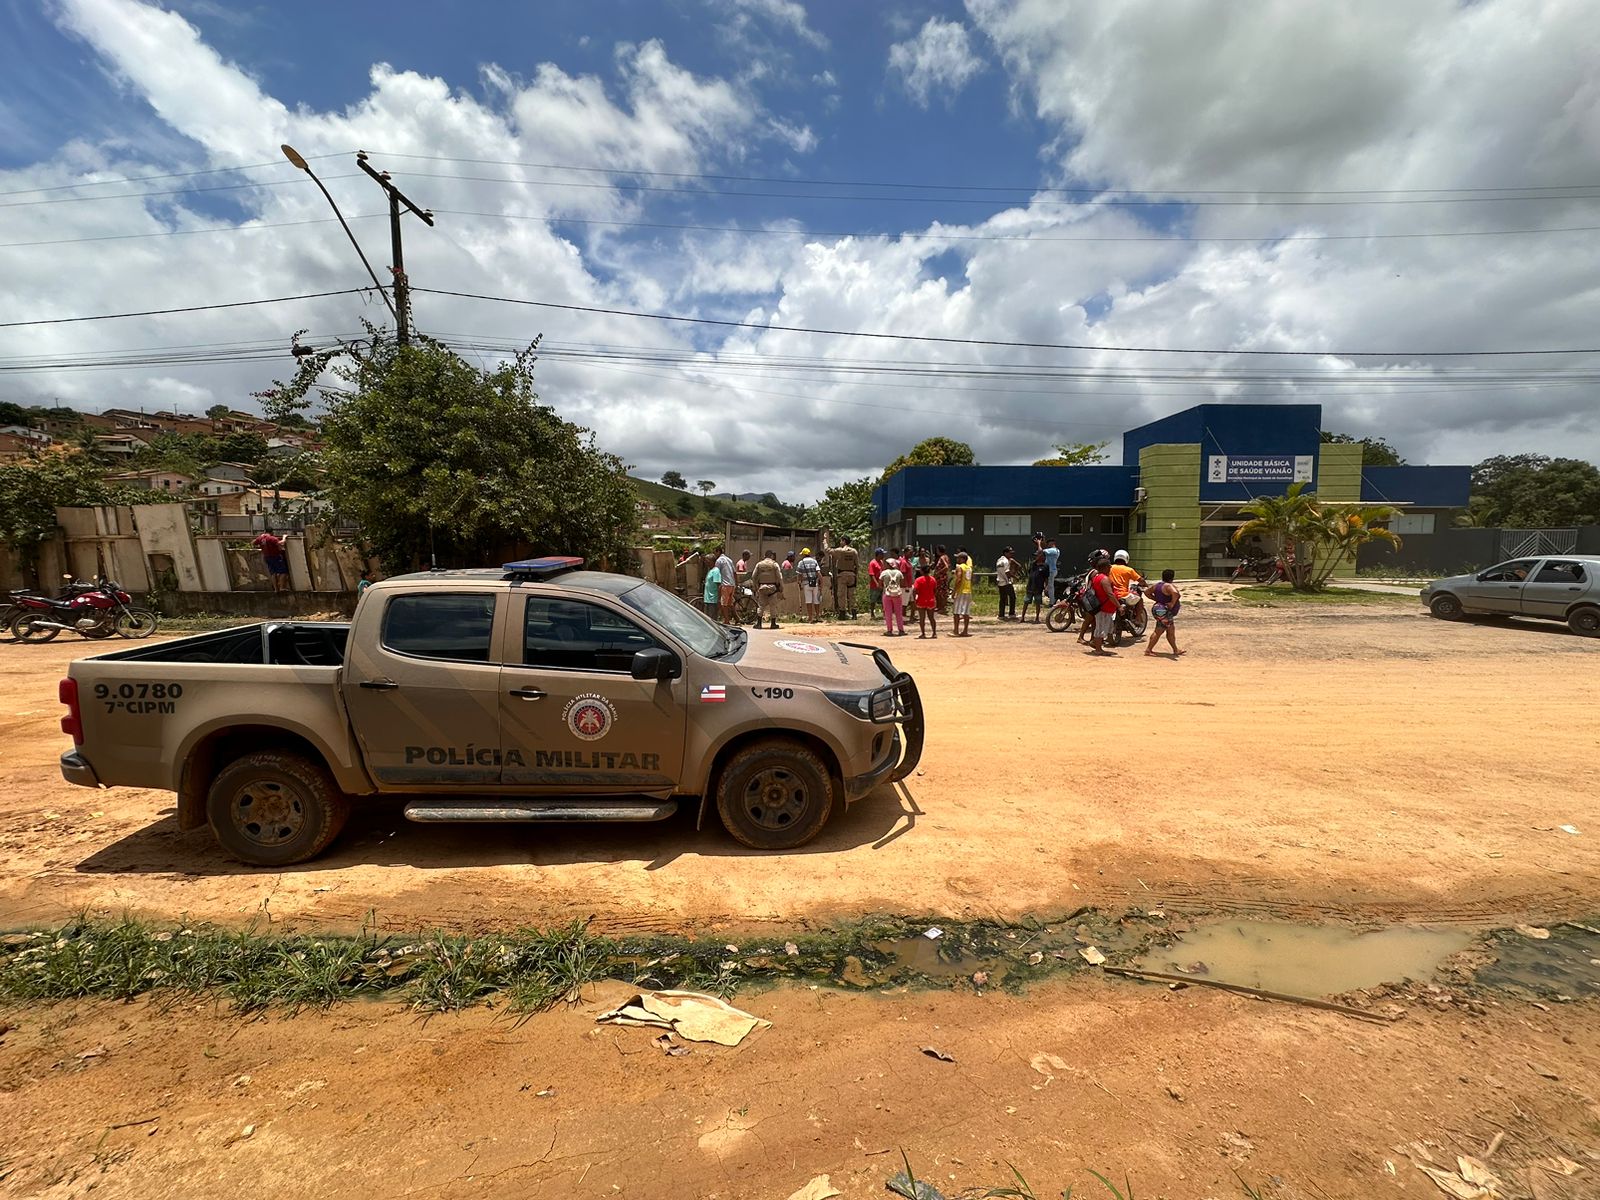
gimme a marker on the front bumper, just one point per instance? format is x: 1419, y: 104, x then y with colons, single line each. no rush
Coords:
x: 907, y: 716
x: 858, y: 787
x: 75, y: 768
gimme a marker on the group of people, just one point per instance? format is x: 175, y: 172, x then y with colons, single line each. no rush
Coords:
x: 936, y: 582
x: 1110, y: 582
x: 768, y: 575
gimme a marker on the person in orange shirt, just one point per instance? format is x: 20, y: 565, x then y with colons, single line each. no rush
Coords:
x: 1122, y: 575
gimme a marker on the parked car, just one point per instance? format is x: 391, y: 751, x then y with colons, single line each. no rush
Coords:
x: 1562, y: 587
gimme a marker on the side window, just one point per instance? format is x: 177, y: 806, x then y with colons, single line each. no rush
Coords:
x: 1556, y: 571
x: 455, y: 628
x: 1510, y: 572
x: 577, y: 636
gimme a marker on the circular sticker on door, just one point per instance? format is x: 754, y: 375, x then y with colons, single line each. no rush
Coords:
x: 589, y: 716
x: 800, y: 647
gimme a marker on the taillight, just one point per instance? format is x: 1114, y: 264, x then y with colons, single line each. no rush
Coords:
x: 72, y: 723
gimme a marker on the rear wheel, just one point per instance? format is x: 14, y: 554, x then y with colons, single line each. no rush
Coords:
x: 31, y: 628
x: 136, y: 623
x: 8, y: 614
x: 1585, y: 621
x: 774, y: 795
x: 273, y: 808
x: 1446, y: 608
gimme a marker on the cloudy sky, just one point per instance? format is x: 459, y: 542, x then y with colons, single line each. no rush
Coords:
x: 1301, y: 175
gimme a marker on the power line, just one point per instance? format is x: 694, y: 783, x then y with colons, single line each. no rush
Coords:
x: 62, y: 187
x: 125, y: 237
x: 972, y: 187
x: 217, y: 187
x: 161, y: 312
x: 919, y: 337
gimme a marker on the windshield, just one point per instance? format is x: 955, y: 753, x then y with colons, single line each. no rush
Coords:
x: 682, y: 620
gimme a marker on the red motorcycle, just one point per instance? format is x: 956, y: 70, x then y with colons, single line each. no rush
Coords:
x: 99, y: 612
x: 1262, y: 570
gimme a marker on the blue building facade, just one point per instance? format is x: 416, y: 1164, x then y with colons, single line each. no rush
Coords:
x: 1174, y: 501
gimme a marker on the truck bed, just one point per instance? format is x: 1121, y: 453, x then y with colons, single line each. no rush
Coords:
x: 272, y: 643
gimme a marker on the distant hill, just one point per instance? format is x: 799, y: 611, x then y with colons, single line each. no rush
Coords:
x: 748, y: 505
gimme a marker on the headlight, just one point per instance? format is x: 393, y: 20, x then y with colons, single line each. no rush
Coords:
x: 876, y: 705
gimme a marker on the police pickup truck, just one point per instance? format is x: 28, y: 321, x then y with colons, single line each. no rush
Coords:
x: 535, y: 692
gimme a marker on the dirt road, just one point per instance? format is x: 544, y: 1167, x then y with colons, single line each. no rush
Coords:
x: 1368, y: 763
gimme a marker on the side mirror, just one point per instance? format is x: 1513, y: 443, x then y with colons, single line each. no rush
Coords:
x: 656, y: 663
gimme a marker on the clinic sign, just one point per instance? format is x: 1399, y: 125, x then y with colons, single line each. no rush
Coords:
x: 1259, y: 468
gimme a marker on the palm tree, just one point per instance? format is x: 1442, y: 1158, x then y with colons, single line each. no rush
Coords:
x: 1288, y: 520
x: 1344, y: 532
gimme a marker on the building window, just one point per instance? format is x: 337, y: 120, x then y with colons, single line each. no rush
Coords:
x: 1005, y: 524
x: 1113, y: 523
x: 1143, y: 523
x: 1404, y: 523
x: 1070, y: 524
x: 948, y: 524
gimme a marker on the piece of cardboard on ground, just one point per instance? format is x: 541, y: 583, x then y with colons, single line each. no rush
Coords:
x: 693, y: 1016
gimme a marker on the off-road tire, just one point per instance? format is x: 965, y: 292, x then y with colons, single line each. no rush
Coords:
x: 22, y: 630
x: 782, y: 779
x: 1446, y: 608
x: 1584, y: 621
x: 313, y: 809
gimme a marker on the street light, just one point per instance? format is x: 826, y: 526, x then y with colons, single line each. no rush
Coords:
x: 295, y: 157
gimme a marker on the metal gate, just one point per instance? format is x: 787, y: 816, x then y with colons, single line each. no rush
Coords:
x: 1528, y: 543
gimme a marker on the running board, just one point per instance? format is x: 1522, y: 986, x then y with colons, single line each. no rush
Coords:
x: 434, y: 811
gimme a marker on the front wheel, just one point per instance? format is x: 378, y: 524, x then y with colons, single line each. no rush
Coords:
x: 273, y: 808
x: 1585, y: 621
x: 1446, y: 608
x: 31, y: 628
x: 1137, y: 624
x: 774, y: 795
x: 136, y: 623
x: 1060, y: 619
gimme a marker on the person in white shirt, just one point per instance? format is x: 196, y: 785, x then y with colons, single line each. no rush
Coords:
x: 1006, y: 584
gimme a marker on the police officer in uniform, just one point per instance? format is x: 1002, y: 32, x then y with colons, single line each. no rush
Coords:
x: 844, y: 562
x: 767, y: 579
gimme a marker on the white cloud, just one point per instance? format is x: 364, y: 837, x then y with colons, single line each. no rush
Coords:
x: 938, y: 59
x: 785, y: 15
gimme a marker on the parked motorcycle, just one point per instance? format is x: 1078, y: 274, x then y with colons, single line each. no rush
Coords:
x: 92, y: 612
x: 1262, y: 570
x: 11, y: 609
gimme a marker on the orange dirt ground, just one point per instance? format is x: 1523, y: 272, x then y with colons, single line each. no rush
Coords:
x: 1365, y: 764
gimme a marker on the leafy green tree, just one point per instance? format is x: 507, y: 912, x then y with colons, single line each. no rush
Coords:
x: 705, y: 487
x: 677, y: 507
x: 31, y: 490
x: 845, y: 510
x: 934, y: 452
x: 219, y: 412
x: 674, y: 479
x: 1375, y: 453
x: 1533, y: 491
x: 13, y: 414
x: 431, y: 455
x: 1314, y: 538
x: 170, y: 452
x: 248, y: 448
x: 1075, y: 454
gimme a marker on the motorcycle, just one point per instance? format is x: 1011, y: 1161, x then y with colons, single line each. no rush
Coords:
x: 10, y: 605
x: 1132, y: 617
x: 1064, y: 613
x: 1262, y: 570
x: 92, y: 612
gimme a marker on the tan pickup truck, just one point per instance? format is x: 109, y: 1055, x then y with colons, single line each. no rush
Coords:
x: 535, y: 692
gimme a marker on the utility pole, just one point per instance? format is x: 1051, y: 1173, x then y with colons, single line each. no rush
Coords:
x: 402, y: 291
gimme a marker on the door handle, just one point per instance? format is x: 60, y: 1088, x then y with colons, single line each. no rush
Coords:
x: 379, y: 685
x: 529, y: 693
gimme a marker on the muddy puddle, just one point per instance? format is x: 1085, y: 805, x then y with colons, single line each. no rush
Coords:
x: 1304, y: 960
x: 1564, y: 965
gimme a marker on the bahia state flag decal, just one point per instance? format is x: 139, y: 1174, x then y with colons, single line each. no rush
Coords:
x: 714, y: 693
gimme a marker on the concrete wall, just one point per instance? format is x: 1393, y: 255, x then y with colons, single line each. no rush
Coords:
x: 164, y: 529
x: 1170, y: 475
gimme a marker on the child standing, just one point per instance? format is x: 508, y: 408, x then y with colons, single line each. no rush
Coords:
x: 926, y: 589
x: 1167, y: 601
x: 894, y: 601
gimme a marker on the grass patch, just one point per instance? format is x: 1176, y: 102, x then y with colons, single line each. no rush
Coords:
x: 1284, y: 597
x: 528, y: 970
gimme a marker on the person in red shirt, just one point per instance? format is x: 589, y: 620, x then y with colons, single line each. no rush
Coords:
x: 1106, y: 618
x: 874, y: 587
x: 277, y: 562
x: 926, y: 591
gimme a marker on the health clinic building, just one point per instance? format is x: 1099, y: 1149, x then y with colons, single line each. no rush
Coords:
x: 1174, y: 502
